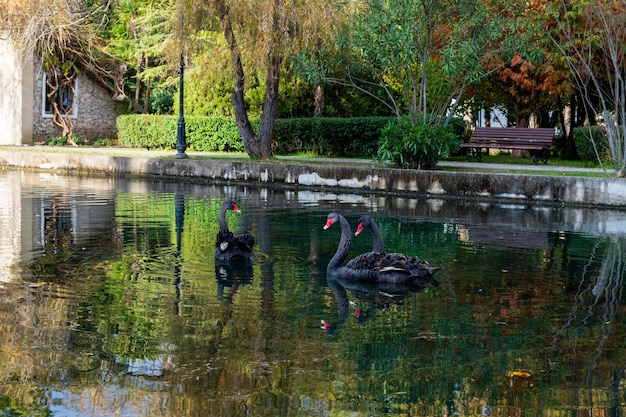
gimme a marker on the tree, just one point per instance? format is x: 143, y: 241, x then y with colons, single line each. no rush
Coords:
x: 260, y: 36
x: 419, y: 57
x: 141, y: 33
x: 528, y: 84
x: 591, y: 35
x: 60, y: 34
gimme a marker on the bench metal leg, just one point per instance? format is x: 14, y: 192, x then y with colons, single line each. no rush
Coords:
x: 541, y: 155
x: 473, y: 153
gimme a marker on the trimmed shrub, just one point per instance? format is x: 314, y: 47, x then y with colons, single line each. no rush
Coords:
x: 213, y: 134
x: 147, y: 131
x: 356, y: 137
x: 348, y: 137
x: 584, y: 146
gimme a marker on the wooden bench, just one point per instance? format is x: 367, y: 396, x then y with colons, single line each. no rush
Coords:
x: 536, y: 140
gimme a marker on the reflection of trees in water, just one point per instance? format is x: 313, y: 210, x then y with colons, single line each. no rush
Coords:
x: 57, y: 224
x: 593, y: 318
x: 241, y: 354
x: 70, y: 231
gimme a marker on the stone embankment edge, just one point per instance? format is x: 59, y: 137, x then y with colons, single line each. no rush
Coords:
x: 536, y: 189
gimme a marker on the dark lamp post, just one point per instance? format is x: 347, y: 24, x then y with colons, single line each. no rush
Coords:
x: 181, y: 140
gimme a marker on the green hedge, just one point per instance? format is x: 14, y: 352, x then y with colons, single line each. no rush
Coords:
x: 352, y: 137
x: 159, y: 132
x: 584, y: 147
x: 319, y: 136
x: 348, y: 137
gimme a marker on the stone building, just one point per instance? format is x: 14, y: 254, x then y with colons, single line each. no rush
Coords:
x: 26, y: 115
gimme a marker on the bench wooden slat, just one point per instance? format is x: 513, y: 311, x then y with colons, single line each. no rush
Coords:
x: 532, y: 139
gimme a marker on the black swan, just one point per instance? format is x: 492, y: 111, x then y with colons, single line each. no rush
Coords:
x: 366, y: 222
x: 371, y: 266
x: 229, y: 247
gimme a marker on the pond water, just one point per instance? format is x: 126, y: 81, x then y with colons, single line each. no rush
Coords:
x: 111, y: 304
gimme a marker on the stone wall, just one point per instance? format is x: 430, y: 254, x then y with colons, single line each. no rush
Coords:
x: 536, y: 190
x: 96, y: 115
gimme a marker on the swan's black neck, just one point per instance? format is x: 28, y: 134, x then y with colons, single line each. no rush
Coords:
x: 377, y: 243
x: 223, y: 224
x: 344, y: 244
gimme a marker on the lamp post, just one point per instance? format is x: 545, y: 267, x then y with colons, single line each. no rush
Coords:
x: 181, y: 140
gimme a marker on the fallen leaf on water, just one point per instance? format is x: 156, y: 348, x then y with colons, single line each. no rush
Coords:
x: 520, y: 374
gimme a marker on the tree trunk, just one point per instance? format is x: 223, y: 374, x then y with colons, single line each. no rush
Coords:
x: 263, y: 143
x: 259, y: 147
x: 59, y: 85
x: 569, y: 149
x: 523, y: 115
x: 487, y: 118
x: 146, y: 100
x: 138, y: 89
x: 318, y: 100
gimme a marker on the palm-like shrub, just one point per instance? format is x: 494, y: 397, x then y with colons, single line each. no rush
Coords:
x: 416, y: 144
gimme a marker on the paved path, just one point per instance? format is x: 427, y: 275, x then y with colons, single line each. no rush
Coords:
x: 467, y: 166
x: 520, y: 167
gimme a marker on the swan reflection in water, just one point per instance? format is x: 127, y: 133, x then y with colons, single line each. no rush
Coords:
x: 373, y: 295
x: 231, y: 275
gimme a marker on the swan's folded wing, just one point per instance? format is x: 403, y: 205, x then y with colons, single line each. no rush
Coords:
x: 368, y: 260
x: 245, y: 241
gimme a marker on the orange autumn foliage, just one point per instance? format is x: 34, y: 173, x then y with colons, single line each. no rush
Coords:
x: 528, y: 84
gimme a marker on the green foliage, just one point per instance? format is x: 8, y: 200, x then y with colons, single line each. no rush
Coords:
x: 457, y: 127
x: 585, y: 137
x: 423, y: 55
x: 147, y: 131
x: 353, y: 137
x: 162, y: 100
x: 139, y: 32
x: 106, y: 142
x: 416, y: 145
x: 56, y: 141
x: 208, y: 92
x: 215, y: 134
x: 62, y: 141
x: 159, y: 132
x: 209, y: 81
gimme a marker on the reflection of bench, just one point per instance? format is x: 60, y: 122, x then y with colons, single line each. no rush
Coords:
x: 536, y: 140
x: 504, y: 237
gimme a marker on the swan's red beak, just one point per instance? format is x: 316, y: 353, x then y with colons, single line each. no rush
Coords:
x: 329, y: 223
x: 359, y: 229
x: 236, y: 209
